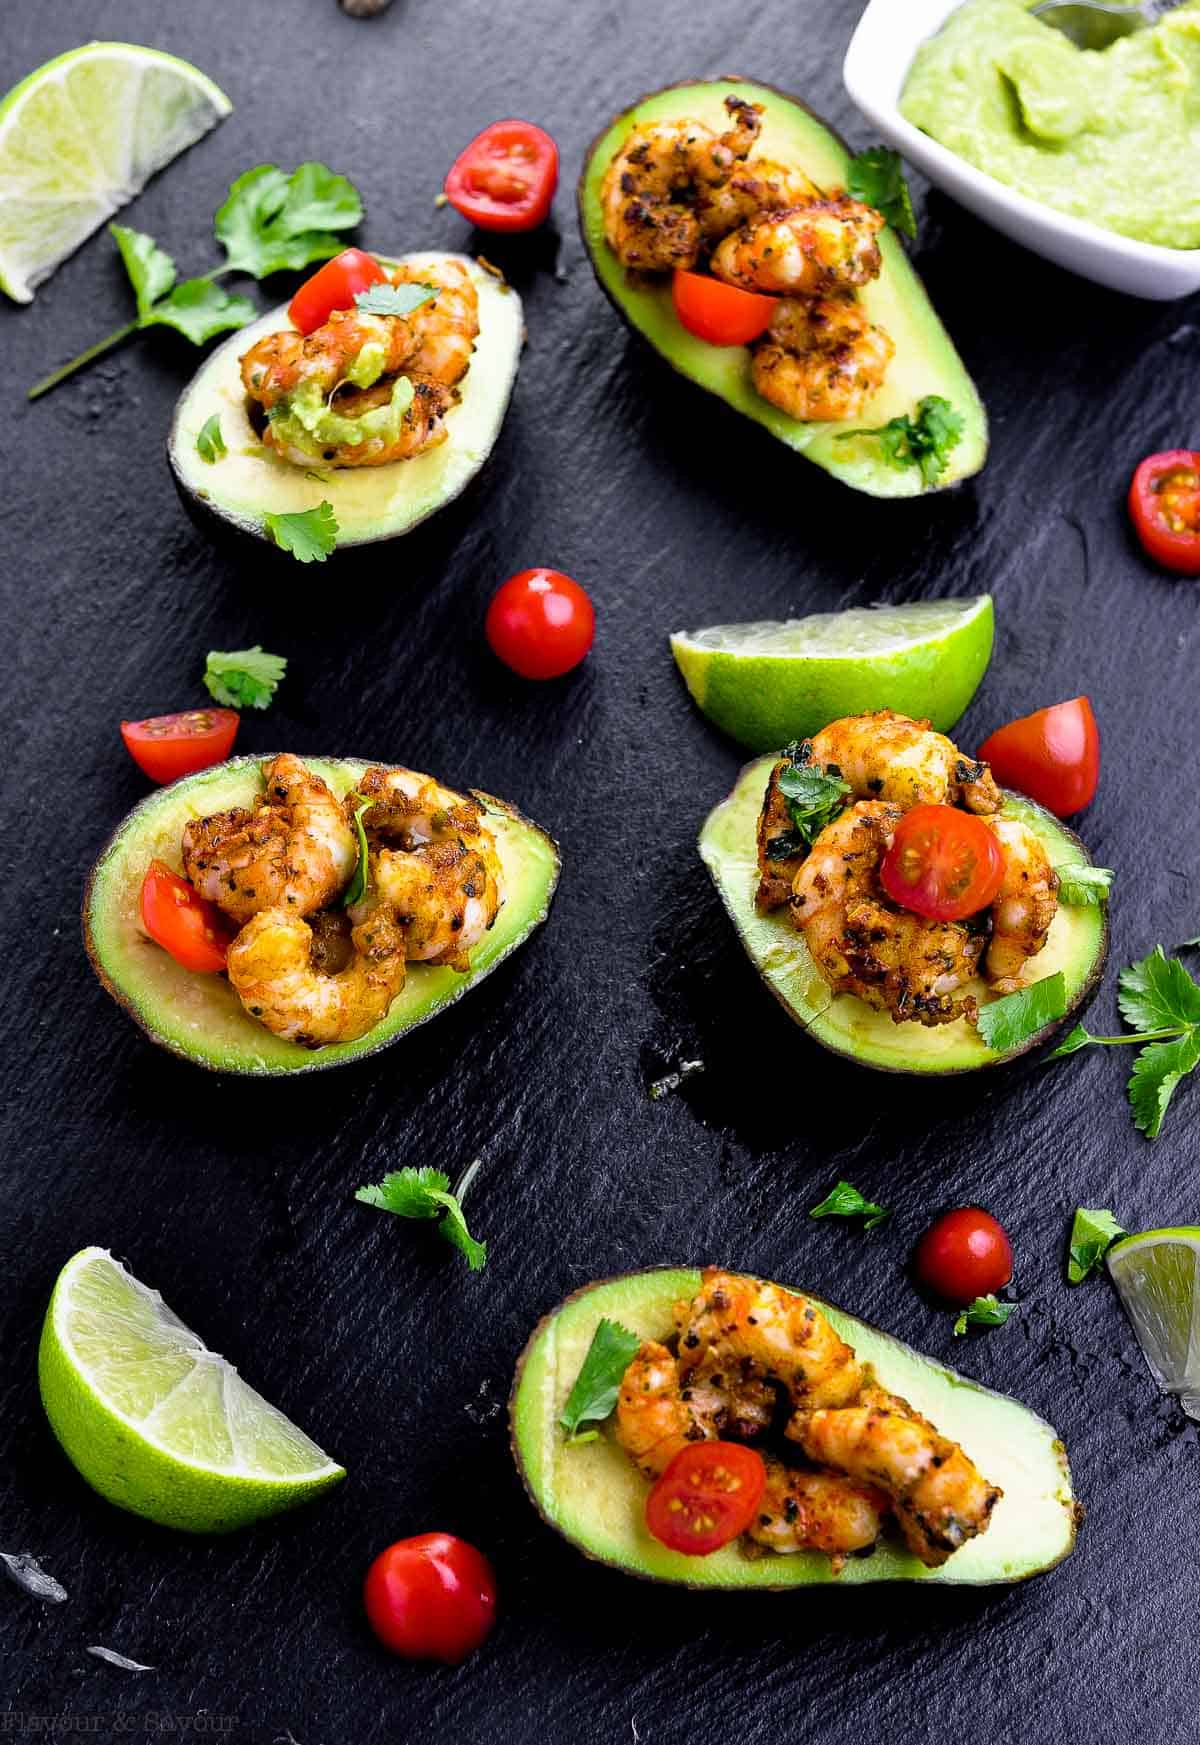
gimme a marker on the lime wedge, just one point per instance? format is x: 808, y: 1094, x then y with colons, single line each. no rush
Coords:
x: 155, y: 1421
x: 80, y: 137
x: 769, y: 683
x: 1157, y: 1275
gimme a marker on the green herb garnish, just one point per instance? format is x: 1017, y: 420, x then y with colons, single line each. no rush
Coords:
x: 925, y: 441
x: 1093, y: 1232
x: 394, y: 299
x: 845, y: 1201
x: 244, y: 679
x: 356, y: 890
x: 986, y: 1311
x: 309, y: 534
x: 210, y: 444
x: 1004, y: 1024
x: 814, y: 796
x: 877, y: 179
x: 1083, y: 886
x: 425, y: 1193
x: 598, y: 1383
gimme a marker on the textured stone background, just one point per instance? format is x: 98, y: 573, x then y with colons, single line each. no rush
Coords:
x: 235, y: 1198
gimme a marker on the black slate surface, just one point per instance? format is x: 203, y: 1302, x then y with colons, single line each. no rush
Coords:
x: 235, y: 1198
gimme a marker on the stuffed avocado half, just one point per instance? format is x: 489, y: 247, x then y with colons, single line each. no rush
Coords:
x: 199, y: 1016
x: 370, y: 503
x: 1077, y: 945
x: 593, y: 1495
x: 925, y: 363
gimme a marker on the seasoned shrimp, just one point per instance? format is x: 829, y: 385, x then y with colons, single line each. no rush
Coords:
x: 1024, y: 906
x: 294, y: 851
x: 821, y: 360
x: 809, y: 1510
x: 886, y: 756
x: 350, y: 345
x: 434, y: 861
x: 862, y: 943
x: 816, y: 246
x: 446, y: 329
x: 756, y: 186
x: 656, y: 1416
x: 272, y: 970
x: 939, y: 1496
x: 372, y: 443
x: 659, y: 176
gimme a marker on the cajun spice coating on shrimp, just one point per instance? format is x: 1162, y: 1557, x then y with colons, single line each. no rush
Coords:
x: 886, y: 756
x: 806, y: 250
x: 821, y: 360
x: 756, y: 186
x: 444, y: 331
x: 280, y: 363
x: 805, y: 1509
x: 1024, y: 906
x: 656, y: 1415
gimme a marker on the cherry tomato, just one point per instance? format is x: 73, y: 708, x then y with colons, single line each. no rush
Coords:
x: 721, y: 314
x: 942, y: 863
x: 540, y: 623
x: 1053, y: 756
x: 179, y: 919
x: 431, y: 1598
x: 169, y: 746
x: 505, y: 179
x: 706, y: 1496
x: 334, y: 286
x: 964, y: 1254
x: 1164, y: 501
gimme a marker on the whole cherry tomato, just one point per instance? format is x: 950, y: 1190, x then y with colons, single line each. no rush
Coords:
x: 169, y: 746
x: 505, y: 179
x: 1053, y: 756
x: 964, y: 1254
x: 540, y: 623
x: 431, y: 1598
x: 942, y: 863
x: 334, y: 286
x: 1164, y: 502
x: 183, y: 922
x: 718, y: 313
x: 706, y: 1496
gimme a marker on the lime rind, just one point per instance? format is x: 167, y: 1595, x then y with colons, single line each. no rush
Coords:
x: 1157, y: 1276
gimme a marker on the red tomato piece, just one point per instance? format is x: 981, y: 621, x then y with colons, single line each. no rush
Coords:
x: 1164, y: 502
x: 540, y: 623
x: 431, y: 1598
x: 1053, y: 756
x: 183, y: 922
x: 505, y: 179
x: 718, y: 313
x: 169, y: 746
x: 706, y: 1496
x: 964, y: 1254
x: 942, y: 863
x: 334, y: 286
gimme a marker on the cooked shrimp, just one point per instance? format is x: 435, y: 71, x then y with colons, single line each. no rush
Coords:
x: 420, y: 428
x: 294, y: 851
x: 821, y: 360
x: 656, y: 1416
x: 807, y: 1510
x: 280, y: 363
x: 435, y: 862
x: 862, y: 943
x: 939, y: 1496
x: 272, y: 971
x: 781, y: 851
x: 446, y: 329
x: 756, y: 186
x: 1024, y: 907
x: 886, y: 756
x: 816, y: 246
x: 658, y: 177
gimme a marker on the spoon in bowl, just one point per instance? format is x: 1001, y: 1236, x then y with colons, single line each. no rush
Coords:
x: 1097, y: 24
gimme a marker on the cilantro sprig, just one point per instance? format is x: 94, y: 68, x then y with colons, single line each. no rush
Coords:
x: 210, y: 442
x: 877, y: 179
x: 986, y: 1311
x: 814, y: 796
x: 926, y: 441
x: 356, y: 890
x: 425, y: 1193
x: 246, y: 678
x: 845, y: 1201
x: 1160, y: 1002
x: 1084, y: 886
x: 394, y: 299
x: 309, y: 534
x: 1093, y: 1232
x: 1006, y: 1023
x: 598, y: 1383
x: 268, y: 222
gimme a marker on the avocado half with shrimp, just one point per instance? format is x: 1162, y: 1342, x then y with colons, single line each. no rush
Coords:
x: 234, y: 492
x: 1077, y: 945
x: 925, y: 362
x: 593, y: 1495
x: 199, y: 1016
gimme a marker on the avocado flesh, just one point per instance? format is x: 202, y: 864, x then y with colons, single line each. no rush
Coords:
x: 370, y: 503
x: 199, y: 1016
x: 595, y: 1497
x: 1077, y: 946
x: 925, y: 362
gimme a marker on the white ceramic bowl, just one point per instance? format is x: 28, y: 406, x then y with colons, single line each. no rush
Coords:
x: 877, y: 62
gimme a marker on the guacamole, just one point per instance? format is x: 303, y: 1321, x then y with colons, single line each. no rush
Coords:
x: 1112, y: 136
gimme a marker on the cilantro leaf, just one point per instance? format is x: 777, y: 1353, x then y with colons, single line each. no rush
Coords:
x: 814, y: 797
x: 151, y: 271
x: 598, y: 1383
x: 925, y: 442
x: 1072, y: 1042
x: 1156, y: 1072
x: 1093, y: 1232
x: 309, y: 534
x: 271, y: 221
x: 986, y: 1311
x: 425, y: 1193
x: 1005, y: 1024
x: 1084, y: 886
x: 210, y: 446
x: 845, y: 1201
x: 877, y: 179
x: 1158, y: 993
x: 394, y: 299
x: 198, y: 309
x: 247, y: 678
x: 356, y: 890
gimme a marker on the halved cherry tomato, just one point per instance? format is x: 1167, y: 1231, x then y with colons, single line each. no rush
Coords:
x: 719, y: 313
x: 964, y: 1254
x: 942, y: 863
x: 334, y: 286
x: 706, y: 1496
x: 540, y: 623
x: 505, y: 179
x: 169, y: 746
x: 431, y: 1598
x: 179, y: 919
x: 1164, y: 501
x: 1053, y: 756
